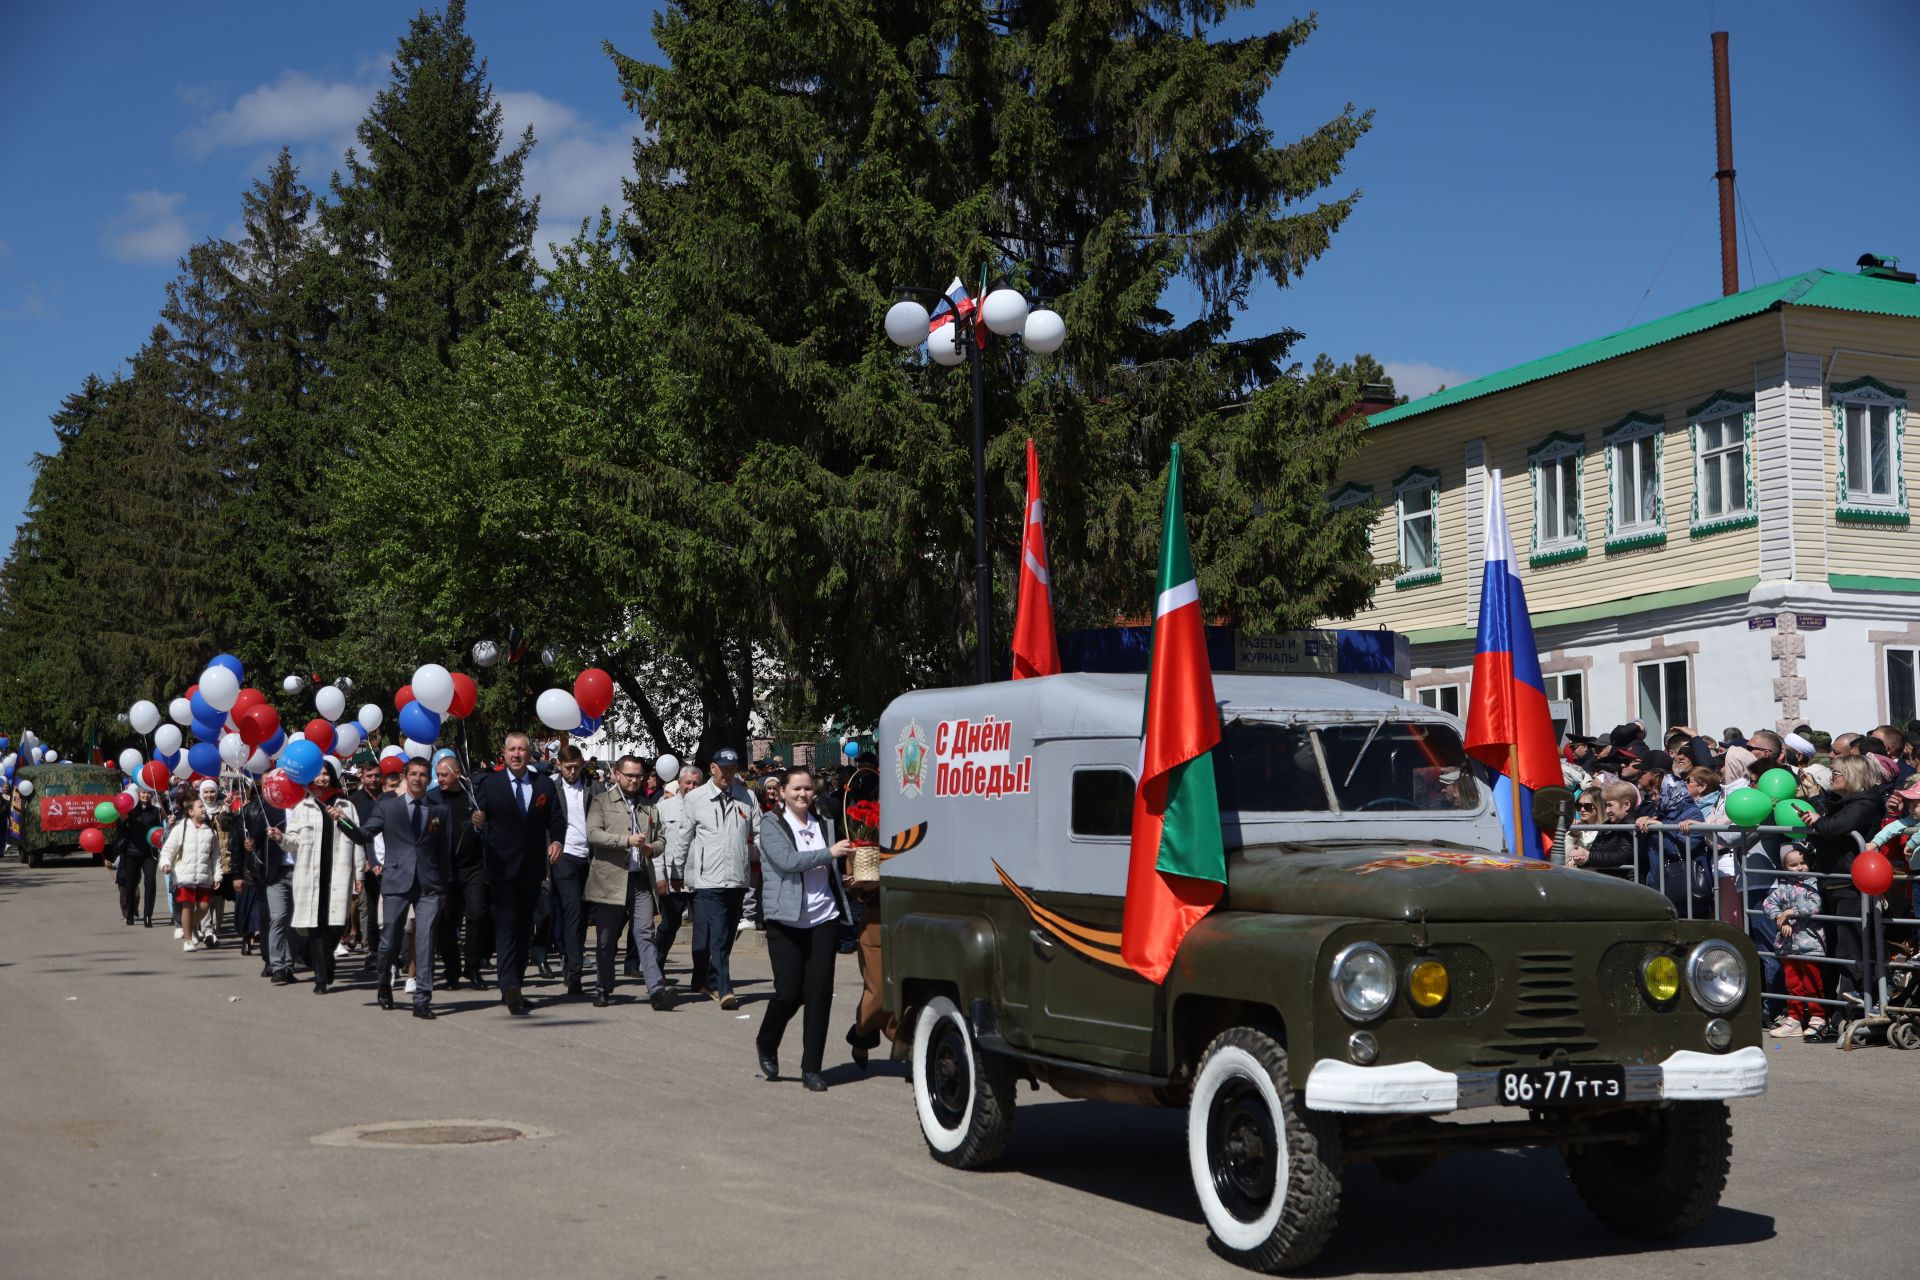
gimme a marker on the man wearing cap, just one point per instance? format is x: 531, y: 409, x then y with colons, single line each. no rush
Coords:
x: 710, y: 851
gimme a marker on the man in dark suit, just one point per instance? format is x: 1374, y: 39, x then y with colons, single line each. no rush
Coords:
x: 270, y: 875
x: 522, y: 823
x: 418, y: 864
x: 463, y: 912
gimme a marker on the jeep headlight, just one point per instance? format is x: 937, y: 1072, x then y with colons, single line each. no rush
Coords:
x: 1717, y: 976
x: 1363, y: 981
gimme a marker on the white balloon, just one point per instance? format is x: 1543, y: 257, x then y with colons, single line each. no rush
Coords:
x: 130, y: 762
x: 485, y: 653
x: 547, y: 658
x: 344, y: 684
x: 667, y: 766
x: 370, y: 717
x: 433, y: 687
x: 557, y: 710
x: 293, y: 684
x: 166, y: 739
x: 233, y: 751
x: 385, y: 752
x: 259, y: 761
x: 182, y: 770
x: 143, y: 716
x: 329, y: 702
x: 1045, y: 332
x: 180, y: 711
x: 26, y: 786
x: 219, y: 687
x: 298, y: 737
x: 418, y: 750
x: 1004, y: 311
x: 53, y: 757
x: 346, y: 739
x: 907, y: 323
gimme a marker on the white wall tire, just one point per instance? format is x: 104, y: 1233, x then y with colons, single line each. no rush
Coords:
x: 1267, y: 1178
x: 964, y: 1097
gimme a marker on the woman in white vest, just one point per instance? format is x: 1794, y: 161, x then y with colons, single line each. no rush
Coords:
x: 191, y: 855
x: 326, y: 874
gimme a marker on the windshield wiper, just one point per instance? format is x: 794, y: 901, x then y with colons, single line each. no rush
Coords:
x: 1372, y: 733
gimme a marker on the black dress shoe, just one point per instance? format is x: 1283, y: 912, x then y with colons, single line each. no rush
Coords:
x: 815, y: 1082
x: 661, y: 998
x: 424, y: 1011
x: 319, y: 988
x: 148, y: 922
x: 769, y: 1065
x: 575, y: 987
x: 546, y: 970
x: 516, y: 1003
x: 385, y: 998
x: 129, y: 919
x: 861, y: 1045
x: 282, y: 978
x: 601, y: 999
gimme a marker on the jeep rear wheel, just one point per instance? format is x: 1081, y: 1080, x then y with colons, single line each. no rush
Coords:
x: 1663, y: 1186
x: 964, y: 1097
x: 1267, y: 1175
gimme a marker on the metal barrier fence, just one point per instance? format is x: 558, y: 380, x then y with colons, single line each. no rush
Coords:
x: 1702, y: 855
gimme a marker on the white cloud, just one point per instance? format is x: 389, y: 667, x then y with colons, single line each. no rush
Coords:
x: 295, y: 108
x: 575, y: 167
x: 148, y: 228
x: 33, y: 306
x: 1416, y: 378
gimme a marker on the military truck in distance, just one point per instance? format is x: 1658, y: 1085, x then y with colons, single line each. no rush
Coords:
x: 61, y: 806
x: 1375, y: 964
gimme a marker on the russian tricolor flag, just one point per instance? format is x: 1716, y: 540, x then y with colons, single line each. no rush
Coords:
x: 1508, y: 725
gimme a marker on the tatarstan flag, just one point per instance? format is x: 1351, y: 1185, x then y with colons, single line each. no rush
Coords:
x: 1177, y: 866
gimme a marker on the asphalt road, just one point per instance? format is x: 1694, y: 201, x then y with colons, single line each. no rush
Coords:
x: 160, y: 1114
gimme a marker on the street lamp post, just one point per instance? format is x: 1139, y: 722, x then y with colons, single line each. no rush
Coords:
x: 952, y: 333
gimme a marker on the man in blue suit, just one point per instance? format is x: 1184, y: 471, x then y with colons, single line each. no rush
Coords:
x: 416, y: 868
x: 522, y: 822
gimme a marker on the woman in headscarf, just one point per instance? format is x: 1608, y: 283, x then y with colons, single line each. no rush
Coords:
x: 326, y: 874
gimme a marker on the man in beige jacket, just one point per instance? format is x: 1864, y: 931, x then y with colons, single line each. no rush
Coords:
x: 624, y: 877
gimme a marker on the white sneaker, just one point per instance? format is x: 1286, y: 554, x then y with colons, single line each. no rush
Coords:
x: 188, y: 945
x: 1787, y: 1029
x: 410, y: 986
x: 178, y: 933
x: 340, y: 952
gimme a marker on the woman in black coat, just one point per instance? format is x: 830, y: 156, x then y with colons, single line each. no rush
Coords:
x: 1855, y: 806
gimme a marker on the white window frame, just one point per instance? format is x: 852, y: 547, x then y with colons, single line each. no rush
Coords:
x: 1659, y: 723
x: 1556, y: 687
x: 1419, y: 484
x: 1649, y: 531
x: 1553, y: 453
x: 1459, y: 692
x: 1721, y: 407
x: 1868, y: 394
x: 1352, y: 495
x: 1894, y: 714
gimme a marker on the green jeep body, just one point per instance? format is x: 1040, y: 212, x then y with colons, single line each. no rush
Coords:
x: 37, y: 841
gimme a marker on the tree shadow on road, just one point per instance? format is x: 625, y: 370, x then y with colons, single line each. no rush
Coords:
x: 1472, y: 1211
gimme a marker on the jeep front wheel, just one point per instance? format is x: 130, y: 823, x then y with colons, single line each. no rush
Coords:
x: 1664, y: 1185
x: 1268, y: 1177
x: 964, y: 1097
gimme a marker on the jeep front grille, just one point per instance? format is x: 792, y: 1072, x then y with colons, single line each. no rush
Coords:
x: 1545, y: 1015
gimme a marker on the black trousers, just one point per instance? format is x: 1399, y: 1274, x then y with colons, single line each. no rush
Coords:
x: 569, y: 894
x: 673, y: 909
x: 320, y: 944
x: 1840, y: 898
x: 802, y: 960
x: 133, y: 882
x: 463, y: 915
x: 513, y: 902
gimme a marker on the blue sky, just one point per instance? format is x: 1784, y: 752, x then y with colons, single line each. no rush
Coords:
x: 1531, y: 165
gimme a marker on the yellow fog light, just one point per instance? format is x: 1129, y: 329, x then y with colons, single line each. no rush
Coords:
x: 1660, y: 975
x: 1427, y: 984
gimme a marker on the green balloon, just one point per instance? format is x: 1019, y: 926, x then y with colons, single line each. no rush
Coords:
x: 1793, y: 813
x: 1749, y: 807
x: 1778, y: 784
x: 104, y: 812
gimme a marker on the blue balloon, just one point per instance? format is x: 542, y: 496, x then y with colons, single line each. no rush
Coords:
x: 302, y: 761
x: 5, y: 742
x: 587, y: 725
x: 208, y: 730
x: 171, y: 759
x: 273, y: 744
x: 851, y: 750
x: 419, y: 723
x: 232, y: 664
x: 203, y: 710
x: 204, y: 758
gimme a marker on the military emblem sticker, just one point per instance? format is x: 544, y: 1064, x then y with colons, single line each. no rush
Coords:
x: 910, y: 760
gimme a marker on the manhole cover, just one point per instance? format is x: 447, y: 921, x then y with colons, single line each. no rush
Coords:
x: 429, y: 1133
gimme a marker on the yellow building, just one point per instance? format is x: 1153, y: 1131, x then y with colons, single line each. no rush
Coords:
x: 1710, y: 513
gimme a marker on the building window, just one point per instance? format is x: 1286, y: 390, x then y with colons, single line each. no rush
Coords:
x: 1441, y: 697
x: 1870, y: 419
x: 1636, y: 515
x: 1570, y: 687
x: 1663, y: 690
x: 1902, y: 666
x: 1348, y: 496
x: 1722, y: 430
x: 1558, y: 465
x: 1416, y: 504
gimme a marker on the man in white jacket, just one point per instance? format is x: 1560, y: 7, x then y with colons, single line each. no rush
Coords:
x: 709, y: 852
x: 676, y: 904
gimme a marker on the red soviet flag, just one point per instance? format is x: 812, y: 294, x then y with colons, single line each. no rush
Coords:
x: 1035, y: 653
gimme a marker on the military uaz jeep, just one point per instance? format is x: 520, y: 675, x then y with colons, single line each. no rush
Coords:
x: 1375, y: 962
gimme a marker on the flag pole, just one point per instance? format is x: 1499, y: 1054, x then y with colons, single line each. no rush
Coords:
x: 1513, y: 797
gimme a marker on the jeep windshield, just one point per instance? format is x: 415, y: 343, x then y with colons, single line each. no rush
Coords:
x: 1383, y: 766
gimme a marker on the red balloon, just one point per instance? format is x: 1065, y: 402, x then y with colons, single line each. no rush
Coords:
x: 248, y: 698
x: 466, y: 696
x: 124, y: 803
x: 393, y: 764
x: 259, y: 723
x: 157, y: 837
x: 1872, y: 873
x: 93, y: 840
x: 593, y: 690
x: 320, y: 733
x: 281, y: 791
x: 191, y: 690
x: 155, y: 775
x: 403, y: 697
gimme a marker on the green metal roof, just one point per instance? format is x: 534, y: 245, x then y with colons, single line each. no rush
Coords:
x: 1820, y: 288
